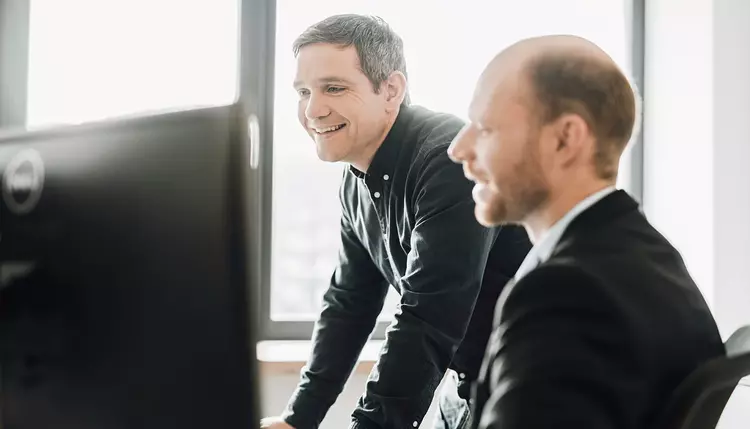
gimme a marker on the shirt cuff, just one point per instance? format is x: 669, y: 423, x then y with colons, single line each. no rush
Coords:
x: 304, y: 411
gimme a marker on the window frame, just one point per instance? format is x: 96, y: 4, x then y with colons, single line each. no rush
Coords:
x: 14, y: 59
x: 636, y: 12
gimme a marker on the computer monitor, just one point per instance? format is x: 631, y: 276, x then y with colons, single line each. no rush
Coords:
x: 124, y: 257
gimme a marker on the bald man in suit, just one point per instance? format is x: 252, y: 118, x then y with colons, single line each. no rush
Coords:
x: 602, y: 320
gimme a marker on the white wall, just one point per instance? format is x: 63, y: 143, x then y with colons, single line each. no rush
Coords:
x: 697, y: 143
x: 697, y: 151
x: 731, y: 163
x: 732, y: 186
x: 678, y: 127
x: 737, y: 412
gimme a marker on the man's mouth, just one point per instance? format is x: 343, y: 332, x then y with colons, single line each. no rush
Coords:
x: 328, y: 130
x: 480, y: 193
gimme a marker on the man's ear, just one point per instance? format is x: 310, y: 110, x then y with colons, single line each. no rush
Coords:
x: 572, y: 134
x: 394, y: 89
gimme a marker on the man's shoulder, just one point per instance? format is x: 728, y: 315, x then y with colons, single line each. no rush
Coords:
x: 561, y: 277
x: 430, y: 133
x: 613, y: 269
x: 612, y: 248
x: 432, y: 130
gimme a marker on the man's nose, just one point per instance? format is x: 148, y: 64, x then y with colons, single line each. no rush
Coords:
x: 316, y: 107
x: 460, y: 148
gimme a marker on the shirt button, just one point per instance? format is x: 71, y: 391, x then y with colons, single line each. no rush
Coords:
x: 386, y: 177
x: 415, y: 424
x: 376, y: 195
x: 462, y: 376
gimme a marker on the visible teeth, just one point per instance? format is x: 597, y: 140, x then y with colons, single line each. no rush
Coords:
x: 328, y: 129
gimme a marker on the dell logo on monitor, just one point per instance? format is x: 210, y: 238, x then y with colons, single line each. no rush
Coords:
x: 23, y: 181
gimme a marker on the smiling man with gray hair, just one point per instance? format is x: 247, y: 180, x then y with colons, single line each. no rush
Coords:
x: 407, y: 221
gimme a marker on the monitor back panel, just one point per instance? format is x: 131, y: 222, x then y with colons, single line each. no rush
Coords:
x: 124, y: 300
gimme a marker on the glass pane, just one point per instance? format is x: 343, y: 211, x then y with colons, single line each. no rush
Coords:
x: 446, y: 50
x: 94, y: 59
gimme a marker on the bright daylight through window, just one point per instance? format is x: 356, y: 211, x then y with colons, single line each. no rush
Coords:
x: 94, y: 59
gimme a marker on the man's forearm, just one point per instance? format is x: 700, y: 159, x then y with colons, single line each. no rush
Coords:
x: 337, y: 341
x: 403, y: 383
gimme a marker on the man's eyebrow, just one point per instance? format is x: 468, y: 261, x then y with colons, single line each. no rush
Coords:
x: 326, y: 80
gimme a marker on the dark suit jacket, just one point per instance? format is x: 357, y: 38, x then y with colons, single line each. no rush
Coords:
x: 599, y: 335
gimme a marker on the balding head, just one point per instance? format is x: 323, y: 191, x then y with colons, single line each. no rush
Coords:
x: 550, y: 118
x: 569, y: 74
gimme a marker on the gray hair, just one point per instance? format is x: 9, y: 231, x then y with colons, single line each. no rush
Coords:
x: 380, y: 49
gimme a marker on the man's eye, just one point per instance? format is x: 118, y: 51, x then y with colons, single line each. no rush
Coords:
x: 334, y: 89
x: 303, y: 92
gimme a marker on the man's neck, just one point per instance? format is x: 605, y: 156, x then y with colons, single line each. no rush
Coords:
x: 365, y: 156
x: 538, y: 223
x: 363, y: 161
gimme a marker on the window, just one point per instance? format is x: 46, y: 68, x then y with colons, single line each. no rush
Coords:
x: 93, y: 59
x: 446, y: 48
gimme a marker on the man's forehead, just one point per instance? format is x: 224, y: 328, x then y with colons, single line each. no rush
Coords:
x: 339, y: 53
x: 498, y: 88
x: 322, y: 60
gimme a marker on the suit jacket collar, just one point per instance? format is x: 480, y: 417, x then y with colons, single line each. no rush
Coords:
x: 605, y: 210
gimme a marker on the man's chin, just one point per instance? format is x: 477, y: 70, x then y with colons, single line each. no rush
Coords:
x: 327, y: 155
x: 487, y: 217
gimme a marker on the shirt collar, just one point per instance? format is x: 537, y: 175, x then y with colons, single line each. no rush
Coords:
x: 543, y: 249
